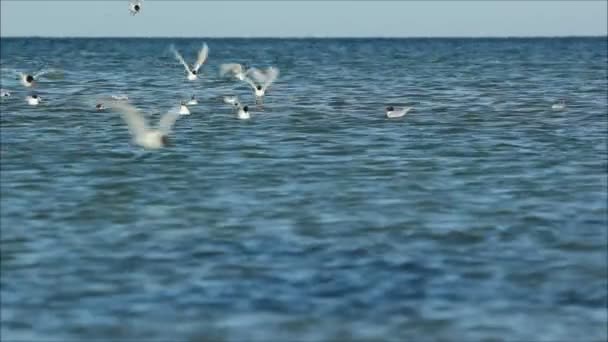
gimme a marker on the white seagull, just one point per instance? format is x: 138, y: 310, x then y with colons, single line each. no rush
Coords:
x: 143, y: 135
x: 33, y: 100
x: 5, y: 93
x: 392, y: 112
x: 242, y: 112
x: 261, y: 80
x: 135, y: 6
x: 561, y: 105
x: 202, y: 57
x: 234, y: 69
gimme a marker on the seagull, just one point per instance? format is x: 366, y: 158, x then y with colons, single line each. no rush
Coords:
x: 26, y: 80
x: 235, y: 69
x: 392, y: 112
x: 202, y: 57
x: 100, y: 107
x: 143, y: 135
x: 261, y: 80
x: 560, y: 105
x: 183, y: 110
x: 29, y: 80
x: 192, y: 101
x: 135, y: 6
x: 4, y: 93
x: 33, y: 100
x: 242, y: 112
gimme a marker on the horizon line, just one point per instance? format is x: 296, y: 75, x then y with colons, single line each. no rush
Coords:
x: 307, y: 37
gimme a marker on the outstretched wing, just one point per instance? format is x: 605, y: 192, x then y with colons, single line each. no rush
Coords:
x: 168, y: 120
x: 202, y: 57
x: 134, y: 119
x: 49, y: 73
x: 256, y: 75
x: 272, y: 74
x: 233, y: 68
x: 250, y: 82
x: 233, y: 100
x: 264, y: 78
x: 22, y: 79
x: 180, y: 58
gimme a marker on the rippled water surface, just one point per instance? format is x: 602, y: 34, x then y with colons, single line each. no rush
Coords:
x: 481, y: 215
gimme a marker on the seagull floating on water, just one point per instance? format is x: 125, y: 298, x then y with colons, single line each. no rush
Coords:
x: 143, y: 135
x: 135, y: 6
x: 202, y: 57
x: 183, y: 110
x: 261, y: 80
x: 560, y: 105
x: 242, y: 112
x: 100, y: 107
x: 392, y: 112
x: 5, y: 93
x: 33, y: 100
x: 234, y: 69
x: 192, y: 101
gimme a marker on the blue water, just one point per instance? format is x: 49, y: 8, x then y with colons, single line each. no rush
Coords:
x: 481, y: 215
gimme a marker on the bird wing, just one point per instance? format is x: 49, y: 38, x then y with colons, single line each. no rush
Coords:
x: 264, y: 78
x: 399, y: 112
x: 49, y: 73
x: 272, y: 74
x: 250, y: 82
x: 22, y: 77
x: 168, y: 120
x: 132, y: 116
x: 233, y: 100
x: 406, y: 110
x: 256, y: 75
x: 180, y: 58
x: 230, y: 68
x: 202, y: 57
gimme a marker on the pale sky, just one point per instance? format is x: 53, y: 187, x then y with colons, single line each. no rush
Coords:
x: 290, y: 18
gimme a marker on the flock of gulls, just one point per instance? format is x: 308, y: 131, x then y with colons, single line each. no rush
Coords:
x: 147, y: 137
x: 154, y: 138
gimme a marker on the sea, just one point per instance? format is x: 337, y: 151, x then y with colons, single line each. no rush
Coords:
x: 481, y: 215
